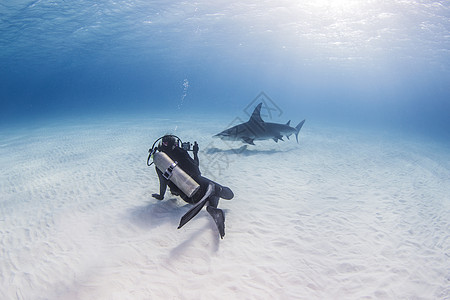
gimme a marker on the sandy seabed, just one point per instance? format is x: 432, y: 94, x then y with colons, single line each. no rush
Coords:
x: 344, y: 214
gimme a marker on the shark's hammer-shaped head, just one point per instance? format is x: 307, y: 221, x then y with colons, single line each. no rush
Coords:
x: 227, y: 134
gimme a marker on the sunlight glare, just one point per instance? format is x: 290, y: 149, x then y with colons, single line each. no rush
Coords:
x: 343, y: 5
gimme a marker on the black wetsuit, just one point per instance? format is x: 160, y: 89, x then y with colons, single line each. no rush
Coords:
x: 191, y: 167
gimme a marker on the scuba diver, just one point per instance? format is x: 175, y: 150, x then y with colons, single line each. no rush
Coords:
x: 176, y: 169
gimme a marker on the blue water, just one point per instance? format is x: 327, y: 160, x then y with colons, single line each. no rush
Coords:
x: 359, y: 63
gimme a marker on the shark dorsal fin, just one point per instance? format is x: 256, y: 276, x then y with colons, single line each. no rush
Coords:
x: 256, y: 115
x: 288, y: 123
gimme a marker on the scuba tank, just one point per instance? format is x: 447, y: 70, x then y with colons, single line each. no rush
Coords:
x: 172, y: 172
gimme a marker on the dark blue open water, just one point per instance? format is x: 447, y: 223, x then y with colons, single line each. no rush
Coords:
x: 360, y: 63
x: 355, y: 210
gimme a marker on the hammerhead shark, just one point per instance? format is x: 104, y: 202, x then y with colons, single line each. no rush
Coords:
x: 257, y: 129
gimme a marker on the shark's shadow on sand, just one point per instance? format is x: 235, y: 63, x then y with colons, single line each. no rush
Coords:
x: 244, y: 150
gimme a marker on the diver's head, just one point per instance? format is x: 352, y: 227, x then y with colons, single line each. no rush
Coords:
x: 168, y: 142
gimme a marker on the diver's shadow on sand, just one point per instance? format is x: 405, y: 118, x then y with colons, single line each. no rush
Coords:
x: 244, y: 150
x: 156, y: 213
x: 208, y: 229
x: 190, y: 241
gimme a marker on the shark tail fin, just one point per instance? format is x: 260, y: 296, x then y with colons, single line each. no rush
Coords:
x: 298, y: 127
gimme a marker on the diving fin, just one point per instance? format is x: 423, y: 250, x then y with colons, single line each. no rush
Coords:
x: 226, y: 193
x: 219, y: 219
x: 197, y: 208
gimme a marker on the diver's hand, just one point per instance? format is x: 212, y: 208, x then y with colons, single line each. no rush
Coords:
x: 158, y: 196
x: 195, y: 148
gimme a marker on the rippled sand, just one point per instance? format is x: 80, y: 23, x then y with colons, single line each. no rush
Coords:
x: 341, y: 215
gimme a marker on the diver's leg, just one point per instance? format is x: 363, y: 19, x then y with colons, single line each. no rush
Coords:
x: 220, y: 190
x: 213, y: 201
x: 217, y: 214
x: 197, y: 208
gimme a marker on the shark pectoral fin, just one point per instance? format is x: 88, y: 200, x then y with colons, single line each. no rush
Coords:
x: 248, y: 140
x: 276, y: 138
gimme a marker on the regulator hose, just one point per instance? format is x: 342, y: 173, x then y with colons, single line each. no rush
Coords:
x: 153, y: 149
